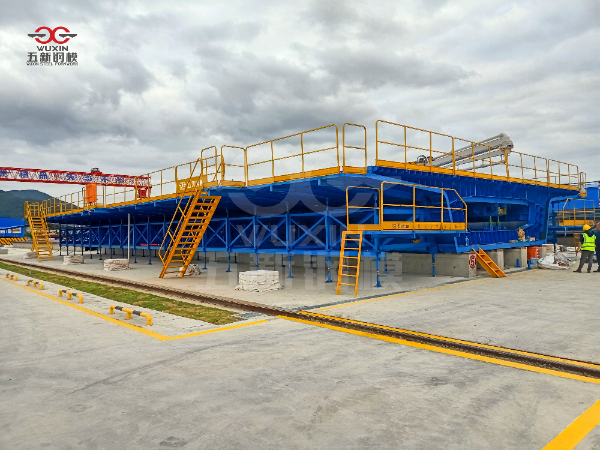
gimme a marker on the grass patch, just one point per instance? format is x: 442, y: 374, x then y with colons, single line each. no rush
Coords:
x: 206, y: 313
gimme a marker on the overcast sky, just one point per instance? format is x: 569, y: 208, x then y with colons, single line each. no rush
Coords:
x: 158, y: 81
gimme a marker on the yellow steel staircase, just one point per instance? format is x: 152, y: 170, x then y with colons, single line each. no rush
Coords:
x: 490, y: 266
x: 39, y: 230
x: 185, y: 231
x: 351, y: 247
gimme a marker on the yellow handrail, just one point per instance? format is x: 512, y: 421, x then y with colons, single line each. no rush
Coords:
x: 349, y: 206
x: 294, y: 175
x: 383, y: 225
x: 162, y: 183
x: 348, y: 168
x: 589, y: 216
x: 474, y: 159
x: 496, y: 163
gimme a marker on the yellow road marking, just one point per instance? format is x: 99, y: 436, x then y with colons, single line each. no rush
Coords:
x: 153, y: 334
x: 500, y: 362
x: 460, y: 341
x: 368, y: 300
x: 577, y: 430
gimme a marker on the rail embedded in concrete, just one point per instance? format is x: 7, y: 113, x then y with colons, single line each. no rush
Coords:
x: 567, y: 365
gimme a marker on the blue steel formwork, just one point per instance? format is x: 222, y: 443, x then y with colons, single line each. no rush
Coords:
x: 307, y: 216
x: 559, y: 228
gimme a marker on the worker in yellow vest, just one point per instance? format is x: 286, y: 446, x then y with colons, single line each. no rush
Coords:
x: 597, y: 234
x: 588, y: 247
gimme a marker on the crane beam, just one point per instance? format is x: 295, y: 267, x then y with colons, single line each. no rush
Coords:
x: 68, y: 177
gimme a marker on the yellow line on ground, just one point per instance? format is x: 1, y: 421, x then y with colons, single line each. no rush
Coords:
x: 500, y: 362
x: 460, y: 341
x: 158, y: 336
x: 368, y: 300
x: 577, y: 430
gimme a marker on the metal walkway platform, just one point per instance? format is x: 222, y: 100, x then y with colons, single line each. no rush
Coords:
x: 297, y: 194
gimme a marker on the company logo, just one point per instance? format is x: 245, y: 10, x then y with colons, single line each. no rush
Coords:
x: 52, y: 55
x: 52, y: 35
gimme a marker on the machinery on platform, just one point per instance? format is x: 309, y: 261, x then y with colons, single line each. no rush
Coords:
x: 498, y: 147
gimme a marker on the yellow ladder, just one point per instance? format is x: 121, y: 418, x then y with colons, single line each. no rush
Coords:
x: 353, y: 270
x: 185, y: 231
x: 490, y: 266
x: 39, y: 231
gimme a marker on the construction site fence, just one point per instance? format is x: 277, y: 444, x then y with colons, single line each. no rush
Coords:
x: 315, y: 153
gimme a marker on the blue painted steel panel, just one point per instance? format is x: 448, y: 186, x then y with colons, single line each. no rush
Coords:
x: 308, y: 216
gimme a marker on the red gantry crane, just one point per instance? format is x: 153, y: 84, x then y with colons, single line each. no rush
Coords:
x: 90, y: 179
x: 37, y: 220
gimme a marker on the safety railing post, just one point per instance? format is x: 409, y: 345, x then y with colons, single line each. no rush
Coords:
x: 381, y: 207
x: 272, y: 161
x: 442, y: 207
x: 302, y: 152
x: 365, y: 129
x: 344, y: 146
x: 405, y: 149
x: 430, y: 151
x: 337, y: 147
x: 414, y: 206
x: 522, y: 172
x: 453, y: 159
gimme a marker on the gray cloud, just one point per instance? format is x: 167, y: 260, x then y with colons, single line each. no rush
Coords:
x: 158, y: 82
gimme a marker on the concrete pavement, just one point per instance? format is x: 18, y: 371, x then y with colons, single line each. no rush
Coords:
x: 70, y: 380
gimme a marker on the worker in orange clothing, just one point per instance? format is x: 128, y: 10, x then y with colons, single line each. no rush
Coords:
x: 588, y: 247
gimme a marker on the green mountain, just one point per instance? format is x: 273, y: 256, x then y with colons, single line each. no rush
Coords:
x: 11, y: 202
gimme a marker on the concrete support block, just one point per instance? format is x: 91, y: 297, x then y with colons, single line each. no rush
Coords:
x: 221, y: 257
x: 244, y: 258
x: 22, y: 244
x: 446, y: 264
x: 512, y: 254
x: 546, y: 249
x: 3, y: 251
x: 497, y: 256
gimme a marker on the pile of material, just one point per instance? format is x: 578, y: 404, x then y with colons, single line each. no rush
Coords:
x: 116, y: 264
x: 555, y: 261
x: 30, y: 255
x: 193, y: 269
x: 73, y: 259
x: 259, y: 281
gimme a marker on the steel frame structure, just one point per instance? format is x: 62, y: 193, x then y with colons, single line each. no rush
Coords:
x: 305, y: 212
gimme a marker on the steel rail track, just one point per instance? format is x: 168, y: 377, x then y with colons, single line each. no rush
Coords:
x: 567, y: 365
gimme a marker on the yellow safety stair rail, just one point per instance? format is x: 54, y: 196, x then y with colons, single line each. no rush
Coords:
x: 39, y: 230
x: 185, y: 232
x: 349, y: 244
x: 490, y: 266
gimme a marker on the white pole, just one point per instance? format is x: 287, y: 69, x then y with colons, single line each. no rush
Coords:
x: 128, y: 222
